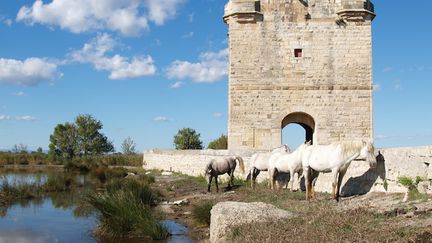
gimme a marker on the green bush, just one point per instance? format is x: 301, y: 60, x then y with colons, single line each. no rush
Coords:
x: 219, y: 143
x: 201, y: 212
x: 125, y: 210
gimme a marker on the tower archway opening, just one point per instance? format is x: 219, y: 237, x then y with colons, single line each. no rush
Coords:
x: 297, y: 128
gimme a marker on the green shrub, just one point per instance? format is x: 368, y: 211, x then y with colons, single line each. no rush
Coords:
x: 125, y: 210
x: 201, y: 212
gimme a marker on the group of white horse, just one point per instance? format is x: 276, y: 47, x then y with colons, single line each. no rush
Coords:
x: 307, y: 160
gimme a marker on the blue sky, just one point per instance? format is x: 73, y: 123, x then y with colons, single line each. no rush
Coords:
x: 147, y: 68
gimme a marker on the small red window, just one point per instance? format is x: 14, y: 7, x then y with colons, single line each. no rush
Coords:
x: 298, y: 52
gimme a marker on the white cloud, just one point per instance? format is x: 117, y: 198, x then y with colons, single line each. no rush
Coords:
x: 188, y: 35
x: 4, y: 118
x: 25, y: 118
x: 191, y: 17
x: 19, y: 93
x: 17, y: 118
x: 95, y: 53
x: 161, y: 119
x: 126, y: 16
x: 376, y: 87
x: 161, y: 10
x: 176, y: 85
x: 31, y: 71
x: 213, y: 66
x: 387, y: 69
x: 217, y: 114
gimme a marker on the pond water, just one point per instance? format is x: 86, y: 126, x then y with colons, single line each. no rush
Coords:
x: 56, y: 218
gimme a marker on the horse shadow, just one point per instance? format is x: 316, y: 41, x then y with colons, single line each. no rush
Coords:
x: 361, y: 185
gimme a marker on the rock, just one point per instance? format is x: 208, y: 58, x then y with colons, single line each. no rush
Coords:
x: 423, y: 186
x: 165, y: 208
x: 226, y: 215
x: 181, y: 202
x: 131, y: 175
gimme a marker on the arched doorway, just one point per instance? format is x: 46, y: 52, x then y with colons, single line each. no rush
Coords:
x: 297, y: 128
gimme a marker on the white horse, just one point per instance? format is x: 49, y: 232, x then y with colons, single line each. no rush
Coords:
x: 334, y: 158
x: 260, y: 162
x: 288, y: 163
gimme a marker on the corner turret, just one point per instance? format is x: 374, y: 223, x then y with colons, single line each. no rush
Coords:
x: 356, y: 11
x: 243, y: 11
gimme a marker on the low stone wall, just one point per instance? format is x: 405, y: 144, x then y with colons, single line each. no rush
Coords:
x: 359, y: 179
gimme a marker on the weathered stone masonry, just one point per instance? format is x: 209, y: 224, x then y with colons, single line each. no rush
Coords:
x: 296, y: 61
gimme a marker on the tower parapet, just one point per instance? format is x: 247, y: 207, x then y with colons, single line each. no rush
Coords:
x: 356, y: 11
x: 243, y: 11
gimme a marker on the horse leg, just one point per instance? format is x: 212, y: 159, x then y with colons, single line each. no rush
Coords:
x: 217, y: 186
x: 231, y: 181
x: 314, y: 178
x: 291, y: 180
x: 255, y: 173
x: 209, y: 183
x: 271, y: 172
x: 308, y: 181
x: 341, y: 175
x: 334, y: 184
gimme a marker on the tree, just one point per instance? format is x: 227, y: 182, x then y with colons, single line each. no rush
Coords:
x: 219, y: 143
x: 79, y: 138
x: 19, y: 148
x: 128, y: 146
x: 187, y: 138
x: 64, y: 141
x: 90, y: 140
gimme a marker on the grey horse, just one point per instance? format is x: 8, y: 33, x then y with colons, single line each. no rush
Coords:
x: 221, y: 166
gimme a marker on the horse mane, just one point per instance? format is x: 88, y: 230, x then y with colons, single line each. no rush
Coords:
x: 351, y: 147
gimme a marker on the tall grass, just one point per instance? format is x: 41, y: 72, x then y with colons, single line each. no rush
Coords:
x: 201, y: 212
x: 124, y: 210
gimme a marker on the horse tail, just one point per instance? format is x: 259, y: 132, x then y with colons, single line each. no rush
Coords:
x: 241, y: 163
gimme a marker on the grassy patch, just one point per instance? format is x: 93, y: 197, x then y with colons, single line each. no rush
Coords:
x: 201, y: 212
x: 124, y: 210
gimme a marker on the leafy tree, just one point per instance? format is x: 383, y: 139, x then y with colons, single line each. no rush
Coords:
x: 79, y: 138
x: 19, y: 148
x: 39, y: 150
x: 187, y: 138
x: 64, y: 141
x: 219, y: 143
x: 128, y: 146
x: 90, y: 140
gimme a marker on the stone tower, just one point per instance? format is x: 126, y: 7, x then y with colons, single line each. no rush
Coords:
x: 307, y: 62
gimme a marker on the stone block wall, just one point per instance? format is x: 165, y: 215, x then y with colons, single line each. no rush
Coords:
x: 331, y: 80
x: 359, y: 179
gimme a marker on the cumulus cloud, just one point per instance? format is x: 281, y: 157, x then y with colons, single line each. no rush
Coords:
x: 96, y: 53
x: 126, y: 16
x: 213, y: 66
x: 161, y: 10
x: 176, y: 85
x: 161, y: 119
x: 29, y: 72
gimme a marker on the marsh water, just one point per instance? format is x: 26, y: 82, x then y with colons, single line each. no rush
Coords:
x: 58, y: 217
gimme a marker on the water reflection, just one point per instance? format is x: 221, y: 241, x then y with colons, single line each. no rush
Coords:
x: 59, y: 216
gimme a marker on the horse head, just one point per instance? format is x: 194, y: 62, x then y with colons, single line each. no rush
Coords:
x: 208, y: 169
x: 367, y: 152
